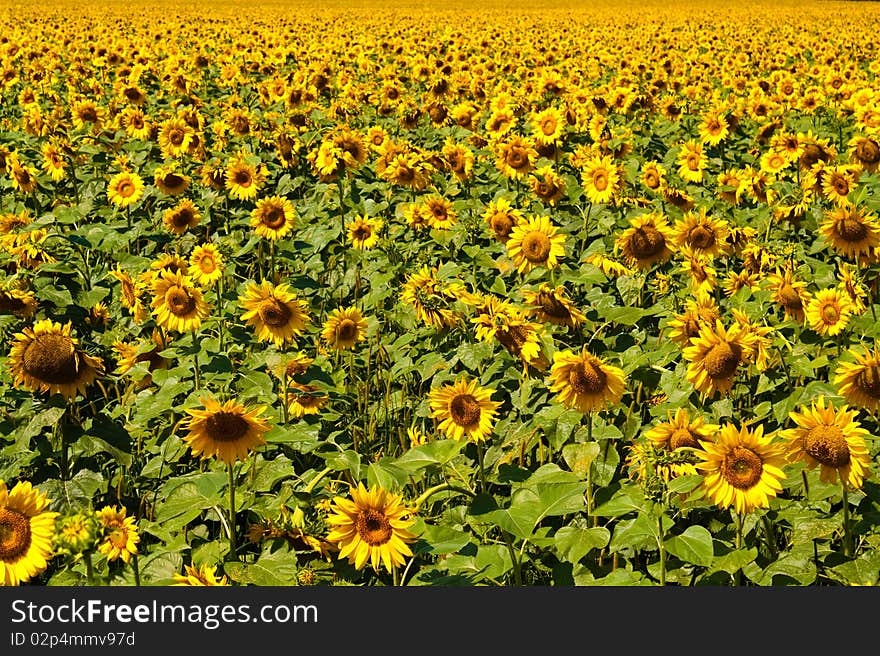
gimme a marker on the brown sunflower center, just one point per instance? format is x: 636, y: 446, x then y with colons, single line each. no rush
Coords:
x: 10, y: 304
x: 464, y: 410
x: 548, y: 126
x: 183, y: 217
x: 173, y: 181
x: 51, y: 359
x: 176, y: 136
x: 701, y: 236
x: 274, y: 313
x: 553, y: 307
x: 15, y: 535
x: 242, y: 178
x: 868, y: 381
x: 828, y: 445
x: 179, y: 301
x: 536, y: 247
x: 586, y: 378
x: 682, y: 437
x: 646, y: 242
x: 373, y: 527
x: 88, y: 115
x: 136, y: 122
x: 830, y: 313
x: 226, y: 426
x: 851, y: 229
x: 600, y: 180
x: 273, y: 217
x: 789, y: 298
x: 840, y: 185
x: 722, y: 360
x: 118, y: 537
x: 346, y: 331
x: 652, y: 180
x: 742, y: 468
x: 361, y: 233
x: 125, y: 188
x: 517, y: 159
x: 868, y: 152
x: 502, y: 225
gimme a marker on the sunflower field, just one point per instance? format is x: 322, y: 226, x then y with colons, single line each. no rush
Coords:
x: 420, y: 294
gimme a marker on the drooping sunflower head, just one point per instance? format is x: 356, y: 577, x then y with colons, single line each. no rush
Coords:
x: 170, y: 180
x: 465, y: 410
x: 26, y: 531
x: 790, y: 293
x: 344, y: 328
x: 699, y: 311
x: 585, y: 382
x: 552, y: 305
x: 305, y: 399
x: 275, y: 312
x: 227, y: 431
x: 832, y: 439
x: 536, y: 242
x: 205, y: 575
x: 273, y: 217
x: 18, y: 302
x: 742, y: 468
x: 182, y: 217
x: 647, y: 241
x: 46, y: 358
x: 859, y: 382
x: 371, y: 527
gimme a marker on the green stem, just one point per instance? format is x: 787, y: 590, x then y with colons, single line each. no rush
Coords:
x: 272, y: 278
x: 314, y: 482
x: 517, y: 567
x: 285, y: 412
x: 232, y: 546
x: 198, y: 371
x: 768, y: 533
x: 137, y: 571
x: 431, y: 491
x: 662, y: 546
x: 395, y: 576
x: 590, y: 473
x: 739, y: 544
x: 90, y: 570
x: 847, y: 536
x: 483, y: 485
x: 220, y: 310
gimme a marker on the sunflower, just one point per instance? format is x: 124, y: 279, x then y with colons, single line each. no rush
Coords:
x: 547, y: 185
x: 716, y: 355
x: 274, y: 312
x: 206, y: 575
x: 228, y: 431
x: 19, y: 302
x: 647, y: 241
x: 585, y: 382
x: 548, y: 126
x: 46, y: 358
x: 516, y: 157
x: 552, y: 305
x: 125, y: 188
x: 465, y: 410
x: 23, y: 177
x: 26, y: 530
x: 838, y: 182
x: 680, y: 431
x: 502, y: 218
x: 865, y: 152
x: 371, y: 527
x: 135, y: 123
x: 742, y: 468
x: 175, y: 137
x: 500, y: 321
x: 601, y: 178
x: 178, y: 304
x: 170, y: 181
x: 714, y: 128
x: 273, y: 217
x: 182, y: 217
x: 790, y: 293
x: 364, y: 232
x: 653, y: 175
x: 344, y: 328
x: 691, y: 161
x: 607, y: 265
x: 304, y: 399
x: 859, y: 382
x: 243, y: 179
x: 120, y: 534
x: 429, y: 298
x: 53, y: 161
x: 829, y: 311
x: 832, y: 439
x: 852, y: 232
x: 439, y: 212
x: 702, y: 234
x: 206, y: 264
x: 535, y: 242
x: 459, y: 158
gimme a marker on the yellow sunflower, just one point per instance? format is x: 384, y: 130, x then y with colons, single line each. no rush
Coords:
x: 601, y: 178
x: 516, y: 156
x: 206, y: 575
x: 742, y: 468
x: 552, y: 305
x: 859, y: 382
x: 647, y: 241
x: 182, y: 217
x: 46, y: 358
x: 364, y: 232
x: 790, y: 293
x: 465, y: 410
x: 274, y: 312
x: 703, y: 235
x: 502, y: 218
x: 830, y: 438
x: 371, y: 527
x: 653, y: 175
x: 26, y: 531
x: 170, y: 181
x: 680, y: 431
x: 244, y: 179
x: 304, y: 399
x: 852, y: 232
x: 125, y: 188
x: 19, y: 302
x: 829, y: 311
x: 585, y: 382
x: 715, y: 356
x: 178, y: 304
x: 175, y: 137
x: 273, y: 217
x: 206, y: 264
x: 120, y: 534
x: 228, y: 431
x: 344, y: 328
x: 692, y: 161
x: 536, y: 242
x: 699, y: 311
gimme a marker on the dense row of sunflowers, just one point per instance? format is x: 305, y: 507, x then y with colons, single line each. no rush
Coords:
x: 344, y: 297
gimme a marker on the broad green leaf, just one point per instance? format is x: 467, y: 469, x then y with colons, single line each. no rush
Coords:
x: 693, y: 546
x: 733, y: 561
x: 625, y: 500
x: 272, y: 568
x: 573, y: 542
x: 638, y: 533
x: 579, y: 457
x: 438, y: 452
x: 438, y: 539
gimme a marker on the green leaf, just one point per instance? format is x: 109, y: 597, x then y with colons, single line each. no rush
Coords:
x: 437, y: 452
x: 733, y: 561
x: 573, y: 542
x: 684, y: 484
x: 638, y: 533
x: 346, y: 460
x: 625, y: 500
x: 693, y: 546
x: 35, y: 426
x: 440, y: 540
x: 272, y: 568
x: 579, y: 457
x: 78, y: 492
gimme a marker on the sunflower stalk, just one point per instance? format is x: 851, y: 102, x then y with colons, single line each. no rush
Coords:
x: 847, y: 534
x: 737, y: 577
x: 232, y: 546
